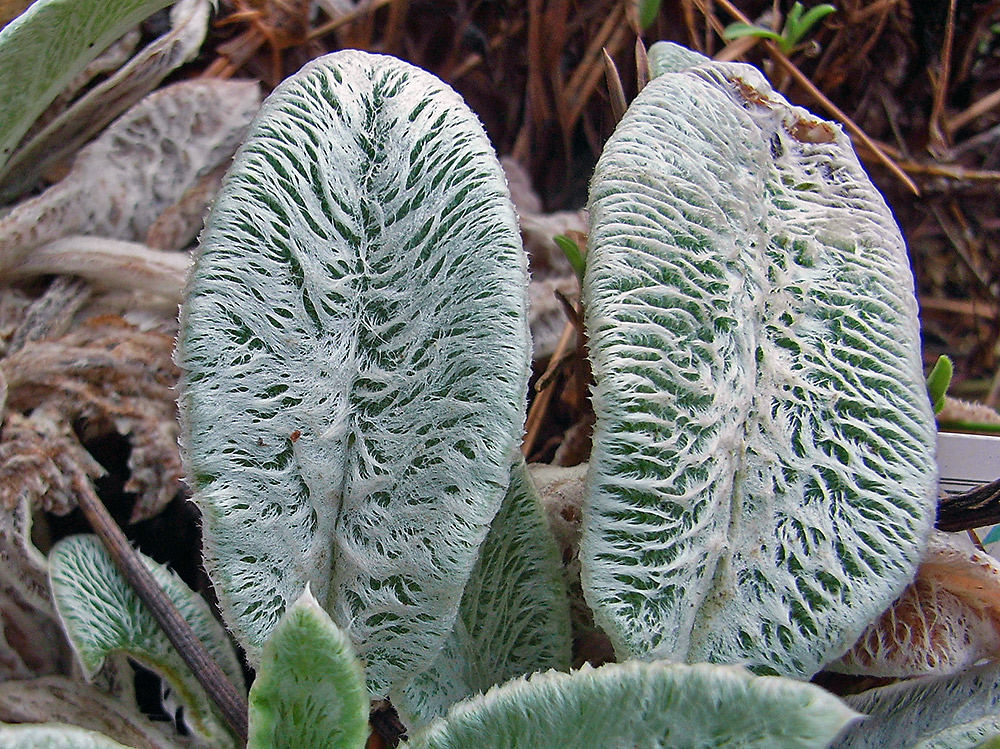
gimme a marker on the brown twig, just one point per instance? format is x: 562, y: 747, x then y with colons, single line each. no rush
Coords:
x: 540, y: 406
x: 938, y: 136
x: 971, y: 509
x: 230, y: 702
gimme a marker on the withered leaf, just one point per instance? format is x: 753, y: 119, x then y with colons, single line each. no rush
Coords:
x: 945, y: 621
x: 57, y: 699
x: 103, y: 377
x: 31, y: 642
x: 140, y: 166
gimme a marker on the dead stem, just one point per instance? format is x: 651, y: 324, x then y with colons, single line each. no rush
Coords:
x: 112, y: 263
x: 615, y: 89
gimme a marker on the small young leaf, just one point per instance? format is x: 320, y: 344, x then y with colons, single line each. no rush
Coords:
x: 648, y: 11
x: 310, y: 689
x: 653, y: 705
x: 103, y: 616
x: 944, y: 712
x: 739, y: 30
x: 53, y: 736
x: 355, y: 342
x: 572, y: 252
x: 514, y: 617
x: 938, y: 381
x: 796, y: 30
x: 44, y: 47
x: 763, y: 477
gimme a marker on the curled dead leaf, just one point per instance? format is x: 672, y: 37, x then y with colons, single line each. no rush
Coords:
x: 945, y: 621
x: 139, y: 167
x: 103, y: 377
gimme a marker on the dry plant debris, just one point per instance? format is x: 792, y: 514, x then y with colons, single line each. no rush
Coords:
x: 946, y: 620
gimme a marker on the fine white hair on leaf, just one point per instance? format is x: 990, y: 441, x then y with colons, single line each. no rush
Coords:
x: 763, y: 476
x: 657, y: 705
x: 957, y: 711
x: 355, y: 352
x: 514, y: 617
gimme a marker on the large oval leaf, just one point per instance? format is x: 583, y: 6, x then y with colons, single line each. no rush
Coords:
x: 763, y: 472
x: 356, y: 353
x: 652, y: 705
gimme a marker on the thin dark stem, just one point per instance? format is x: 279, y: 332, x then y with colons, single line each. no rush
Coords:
x: 230, y: 702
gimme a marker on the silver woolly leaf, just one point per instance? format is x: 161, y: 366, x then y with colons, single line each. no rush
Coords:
x: 102, y: 616
x: 356, y: 354
x: 656, y: 705
x: 514, y: 618
x: 763, y: 477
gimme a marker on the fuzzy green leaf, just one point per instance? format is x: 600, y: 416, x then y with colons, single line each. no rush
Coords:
x: 102, y: 616
x: 739, y: 30
x: 310, y: 689
x: 651, y: 705
x: 938, y: 381
x: 53, y: 736
x: 514, y: 617
x: 763, y: 476
x: 356, y: 353
x: 572, y: 252
x: 648, y: 11
x: 945, y: 712
x: 46, y: 46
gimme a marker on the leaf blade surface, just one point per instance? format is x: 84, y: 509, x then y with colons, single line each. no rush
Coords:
x: 763, y: 475
x: 356, y: 348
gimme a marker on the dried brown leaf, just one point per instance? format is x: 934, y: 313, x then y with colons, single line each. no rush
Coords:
x: 956, y: 409
x: 103, y: 377
x: 57, y: 699
x: 139, y: 167
x: 31, y: 642
x: 945, y: 621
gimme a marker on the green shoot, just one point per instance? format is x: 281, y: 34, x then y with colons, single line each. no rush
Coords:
x: 572, y: 252
x: 648, y: 10
x: 938, y: 381
x: 798, y: 22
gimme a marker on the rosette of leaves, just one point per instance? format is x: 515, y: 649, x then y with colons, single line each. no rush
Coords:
x: 763, y: 476
x: 355, y: 349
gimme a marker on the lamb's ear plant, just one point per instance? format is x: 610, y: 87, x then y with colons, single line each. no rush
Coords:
x: 763, y: 477
x: 46, y: 46
x: 309, y: 692
x: 355, y: 351
x: 104, y: 619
